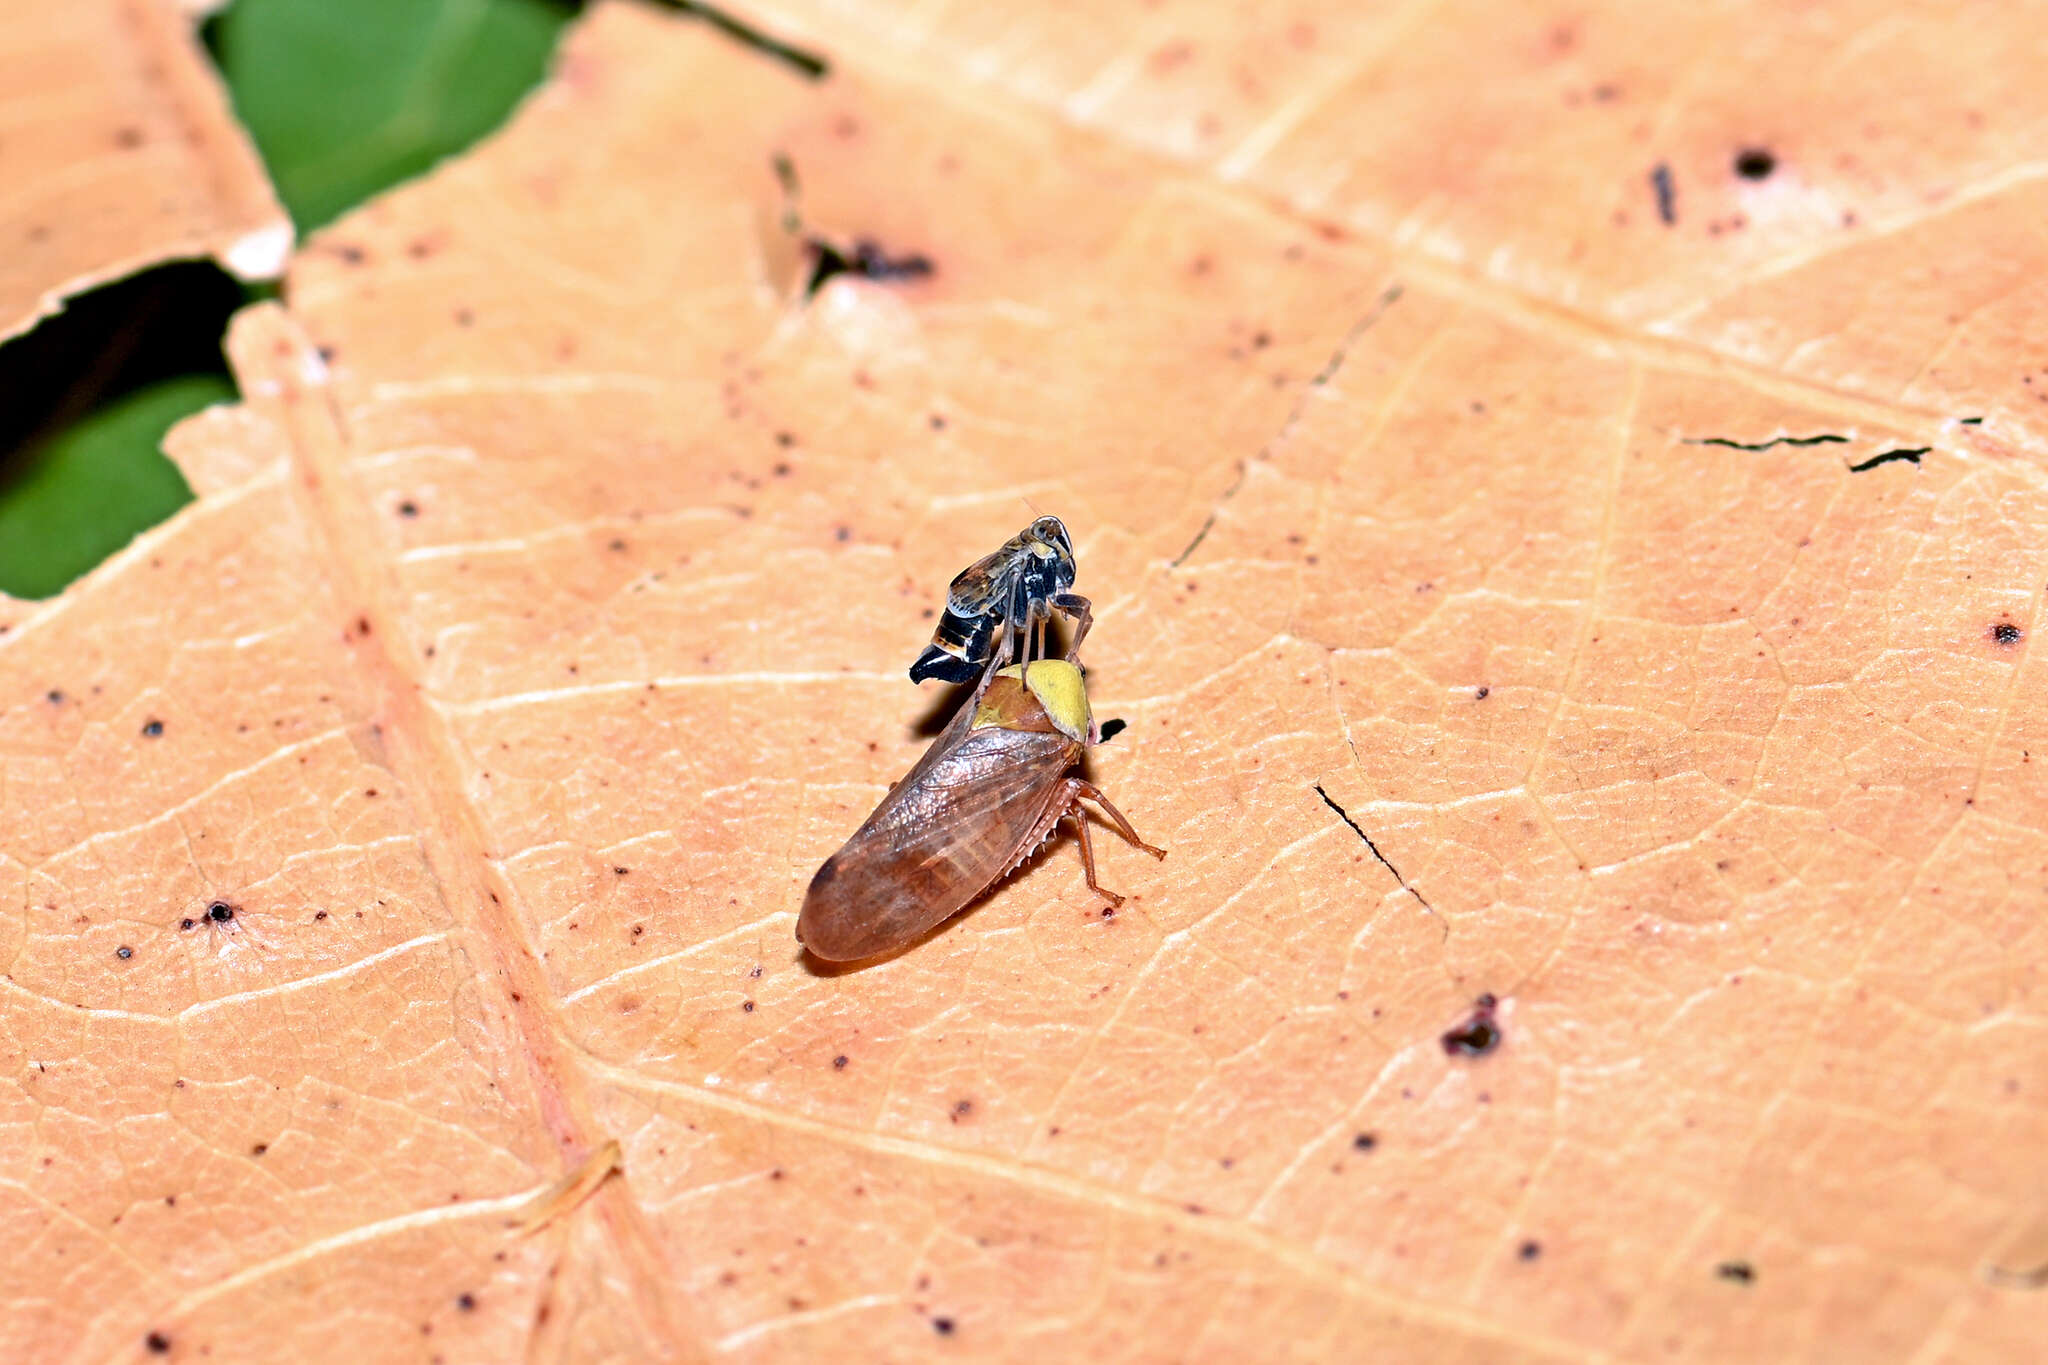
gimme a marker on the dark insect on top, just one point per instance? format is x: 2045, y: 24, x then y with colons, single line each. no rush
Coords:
x: 1013, y: 591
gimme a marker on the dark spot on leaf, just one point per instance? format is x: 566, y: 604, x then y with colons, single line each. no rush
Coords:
x: 158, y: 1343
x: 56, y: 697
x: 259, y: 1149
x: 220, y: 912
x: 1364, y: 1142
x: 187, y: 923
x: 1667, y: 193
x: 1529, y: 1251
x: 152, y: 729
x: 867, y: 259
x: 1113, y: 727
x: 1911, y: 456
x: 618, y: 871
x: 466, y: 1301
x: 961, y: 1109
x: 1482, y: 694
x: 124, y: 952
x: 839, y: 1063
x: 1478, y: 1035
x: 746, y: 1006
x: 943, y: 1326
x: 2006, y: 633
x: 408, y: 508
x: 1755, y: 163
x: 1741, y: 1272
x: 1825, y: 438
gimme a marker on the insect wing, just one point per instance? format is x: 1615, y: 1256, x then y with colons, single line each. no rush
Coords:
x: 966, y: 814
x: 985, y: 582
x: 993, y: 577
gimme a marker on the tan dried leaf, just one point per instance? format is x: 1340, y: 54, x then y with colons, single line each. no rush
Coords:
x: 119, y: 152
x: 542, y: 623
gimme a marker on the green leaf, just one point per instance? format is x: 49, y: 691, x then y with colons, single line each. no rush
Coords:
x: 345, y: 100
x: 88, y: 490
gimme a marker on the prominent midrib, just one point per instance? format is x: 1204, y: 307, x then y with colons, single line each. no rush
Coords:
x: 273, y: 358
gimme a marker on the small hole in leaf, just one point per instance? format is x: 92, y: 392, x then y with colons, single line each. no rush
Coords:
x: 1755, y: 163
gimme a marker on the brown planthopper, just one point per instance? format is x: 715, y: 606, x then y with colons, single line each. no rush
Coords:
x: 990, y: 791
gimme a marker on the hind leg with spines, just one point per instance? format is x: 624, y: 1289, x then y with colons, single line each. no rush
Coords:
x: 1078, y: 790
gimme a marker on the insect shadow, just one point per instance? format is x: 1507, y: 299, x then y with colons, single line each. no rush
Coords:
x: 821, y: 967
x: 939, y: 714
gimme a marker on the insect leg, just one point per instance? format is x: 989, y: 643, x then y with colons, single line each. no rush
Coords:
x: 1094, y: 793
x: 1076, y: 608
x: 1013, y: 641
x: 1079, y: 816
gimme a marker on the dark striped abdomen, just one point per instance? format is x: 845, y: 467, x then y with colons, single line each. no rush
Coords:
x: 959, y: 650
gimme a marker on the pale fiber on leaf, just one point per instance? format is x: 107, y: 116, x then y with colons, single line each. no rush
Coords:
x: 118, y: 152
x: 543, y: 621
